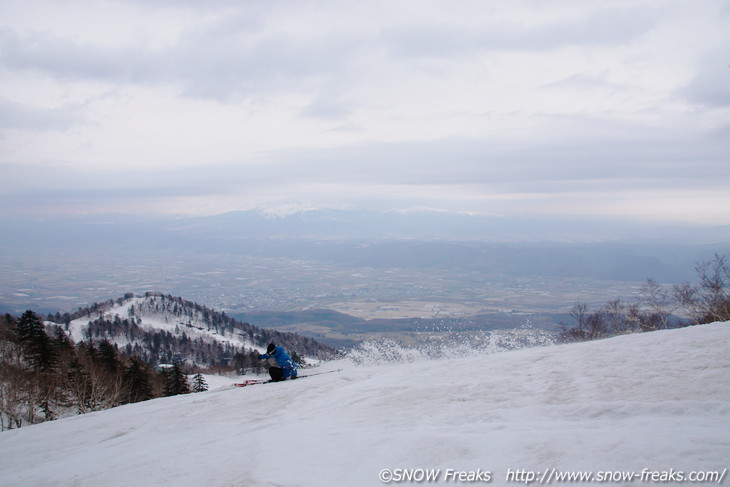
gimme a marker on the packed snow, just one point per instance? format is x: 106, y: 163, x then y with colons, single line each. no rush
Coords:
x: 646, y: 403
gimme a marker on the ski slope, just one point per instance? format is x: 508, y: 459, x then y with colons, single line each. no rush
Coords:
x: 647, y: 402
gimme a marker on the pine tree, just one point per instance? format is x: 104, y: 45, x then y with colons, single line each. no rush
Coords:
x: 138, y: 381
x: 108, y: 356
x: 199, y: 383
x: 175, y: 381
x: 39, y: 348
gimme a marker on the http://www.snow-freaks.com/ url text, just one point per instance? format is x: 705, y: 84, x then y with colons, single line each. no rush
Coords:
x: 549, y: 476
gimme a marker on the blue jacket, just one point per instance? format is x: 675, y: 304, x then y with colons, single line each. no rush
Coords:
x: 288, y: 366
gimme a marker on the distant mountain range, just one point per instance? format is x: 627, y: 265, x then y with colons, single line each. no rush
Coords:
x: 338, y: 224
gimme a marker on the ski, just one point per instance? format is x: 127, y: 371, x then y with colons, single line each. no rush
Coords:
x: 253, y: 382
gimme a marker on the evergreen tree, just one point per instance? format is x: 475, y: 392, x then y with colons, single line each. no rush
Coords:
x: 175, y: 381
x: 199, y: 383
x: 25, y: 325
x: 138, y: 381
x: 62, y: 342
x: 108, y: 356
x: 39, y: 348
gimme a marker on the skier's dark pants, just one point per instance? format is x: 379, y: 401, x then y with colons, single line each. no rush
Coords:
x: 276, y: 373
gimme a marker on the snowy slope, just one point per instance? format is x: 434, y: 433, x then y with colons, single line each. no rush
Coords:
x: 193, y: 326
x: 655, y: 401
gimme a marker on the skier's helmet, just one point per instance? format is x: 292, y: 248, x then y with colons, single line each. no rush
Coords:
x: 270, y: 350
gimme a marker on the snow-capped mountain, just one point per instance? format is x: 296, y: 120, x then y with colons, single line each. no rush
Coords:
x: 631, y: 410
x: 162, y: 328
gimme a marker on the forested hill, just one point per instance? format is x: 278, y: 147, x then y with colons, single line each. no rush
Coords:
x: 160, y: 328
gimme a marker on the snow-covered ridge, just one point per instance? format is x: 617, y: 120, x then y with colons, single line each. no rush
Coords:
x: 159, y: 328
x: 655, y: 402
x: 155, y: 312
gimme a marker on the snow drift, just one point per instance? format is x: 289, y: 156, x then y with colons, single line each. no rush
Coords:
x: 658, y: 401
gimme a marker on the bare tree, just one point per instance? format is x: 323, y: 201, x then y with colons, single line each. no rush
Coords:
x: 595, y: 325
x: 615, y: 317
x: 659, y: 302
x: 93, y: 388
x: 13, y: 396
x: 578, y: 313
x: 18, y: 389
x: 709, y: 300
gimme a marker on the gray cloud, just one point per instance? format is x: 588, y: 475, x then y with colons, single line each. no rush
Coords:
x: 237, y: 54
x: 711, y: 83
x: 588, y: 164
x: 67, y: 59
x: 218, y: 60
x: 585, y: 162
x: 19, y: 116
x: 328, y: 108
x: 609, y: 26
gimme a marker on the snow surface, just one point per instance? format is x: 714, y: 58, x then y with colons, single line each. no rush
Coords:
x: 658, y: 400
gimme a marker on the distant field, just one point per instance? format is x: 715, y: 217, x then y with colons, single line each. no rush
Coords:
x: 244, y: 283
x: 400, y: 291
x: 393, y: 280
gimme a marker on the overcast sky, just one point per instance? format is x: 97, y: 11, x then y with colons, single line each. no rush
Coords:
x: 606, y: 108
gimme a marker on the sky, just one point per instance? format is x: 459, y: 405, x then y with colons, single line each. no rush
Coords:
x: 602, y: 108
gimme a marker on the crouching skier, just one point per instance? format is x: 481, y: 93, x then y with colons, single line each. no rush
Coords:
x: 281, y: 366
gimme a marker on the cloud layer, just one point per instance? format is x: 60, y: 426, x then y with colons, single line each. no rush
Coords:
x: 616, y: 108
